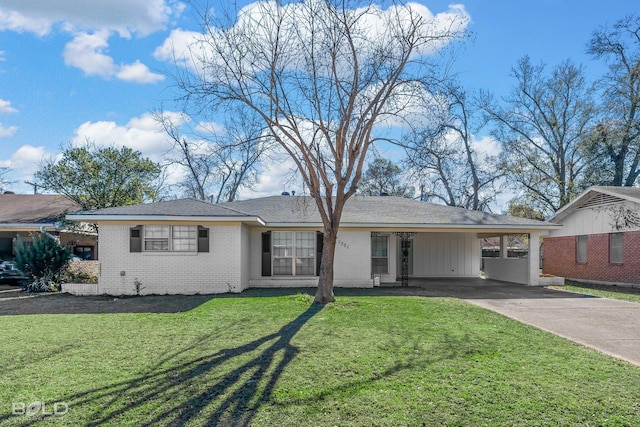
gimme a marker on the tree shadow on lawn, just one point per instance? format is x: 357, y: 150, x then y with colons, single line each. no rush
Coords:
x: 228, y: 387
x: 231, y: 397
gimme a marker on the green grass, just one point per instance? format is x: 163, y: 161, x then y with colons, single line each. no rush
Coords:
x: 279, y: 361
x: 614, y: 292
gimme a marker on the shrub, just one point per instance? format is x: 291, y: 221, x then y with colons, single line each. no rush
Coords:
x: 43, y: 260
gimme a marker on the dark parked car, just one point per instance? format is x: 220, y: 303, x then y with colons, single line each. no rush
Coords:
x: 10, y: 274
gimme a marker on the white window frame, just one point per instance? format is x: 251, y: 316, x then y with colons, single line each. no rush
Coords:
x: 582, y: 240
x: 173, y: 243
x: 386, y: 237
x: 293, y: 256
x: 616, y: 245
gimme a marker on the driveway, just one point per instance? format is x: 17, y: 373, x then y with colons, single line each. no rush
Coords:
x: 607, y: 325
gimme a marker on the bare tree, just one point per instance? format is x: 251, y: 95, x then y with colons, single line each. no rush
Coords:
x: 321, y: 74
x: 442, y: 157
x: 3, y: 181
x: 617, y: 137
x: 217, y: 163
x: 541, y: 126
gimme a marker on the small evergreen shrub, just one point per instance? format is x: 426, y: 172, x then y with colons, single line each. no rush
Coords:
x: 43, y: 260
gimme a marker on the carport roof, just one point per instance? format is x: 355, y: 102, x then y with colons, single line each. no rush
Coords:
x: 375, y: 212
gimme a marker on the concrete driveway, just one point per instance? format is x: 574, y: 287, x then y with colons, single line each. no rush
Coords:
x: 607, y: 325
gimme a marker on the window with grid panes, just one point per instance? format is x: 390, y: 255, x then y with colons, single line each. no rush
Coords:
x: 293, y: 253
x: 616, y: 248
x: 380, y: 254
x: 165, y: 238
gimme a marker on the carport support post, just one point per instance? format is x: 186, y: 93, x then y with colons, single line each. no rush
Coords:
x: 534, y: 259
x: 504, y: 246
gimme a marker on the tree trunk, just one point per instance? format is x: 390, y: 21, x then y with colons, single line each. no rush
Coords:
x: 324, y: 293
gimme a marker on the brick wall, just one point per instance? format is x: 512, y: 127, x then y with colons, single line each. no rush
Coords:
x: 217, y: 271
x: 560, y: 259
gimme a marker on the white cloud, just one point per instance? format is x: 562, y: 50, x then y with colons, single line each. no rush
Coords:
x: 251, y: 21
x: 86, y: 52
x: 6, y: 108
x: 15, y: 21
x: 25, y: 160
x: 279, y: 173
x: 138, y: 73
x: 140, y: 133
x: 486, y: 146
x: 6, y: 132
x: 176, y: 47
x: 91, y: 27
x: 123, y: 16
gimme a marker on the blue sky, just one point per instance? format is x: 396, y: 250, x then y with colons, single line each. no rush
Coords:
x: 69, y: 71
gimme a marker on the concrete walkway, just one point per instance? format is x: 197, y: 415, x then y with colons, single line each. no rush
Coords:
x: 607, y: 325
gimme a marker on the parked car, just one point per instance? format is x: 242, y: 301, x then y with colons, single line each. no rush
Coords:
x: 10, y: 274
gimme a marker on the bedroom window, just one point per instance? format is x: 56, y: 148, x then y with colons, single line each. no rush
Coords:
x: 156, y: 238
x: 166, y: 238
x: 616, y: 248
x: 581, y: 249
x: 294, y: 253
x: 380, y: 254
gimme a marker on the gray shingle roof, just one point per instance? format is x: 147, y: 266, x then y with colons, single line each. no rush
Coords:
x: 359, y: 211
x: 374, y: 210
x: 178, y: 207
x: 34, y: 208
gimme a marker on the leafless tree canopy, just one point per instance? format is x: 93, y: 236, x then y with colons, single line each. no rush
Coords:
x: 541, y: 127
x: 217, y: 164
x: 440, y: 154
x: 321, y: 74
x: 617, y: 137
x: 3, y: 181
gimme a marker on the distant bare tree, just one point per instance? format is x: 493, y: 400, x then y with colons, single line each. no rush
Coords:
x: 321, y: 74
x: 441, y: 155
x: 217, y: 163
x: 3, y: 180
x: 617, y: 137
x: 542, y: 125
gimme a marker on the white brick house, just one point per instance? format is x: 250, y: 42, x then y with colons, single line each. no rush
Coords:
x: 188, y: 246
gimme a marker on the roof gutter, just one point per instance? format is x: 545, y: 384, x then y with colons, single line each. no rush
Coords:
x: 376, y: 226
x: 174, y: 218
x: 37, y: 226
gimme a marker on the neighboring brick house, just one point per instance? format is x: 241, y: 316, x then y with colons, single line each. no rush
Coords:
x: 189, y: 246
x: 24, y: 214
x: 600, y: 237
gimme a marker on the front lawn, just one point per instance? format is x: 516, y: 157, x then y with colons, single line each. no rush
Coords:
x: 279, y: 361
